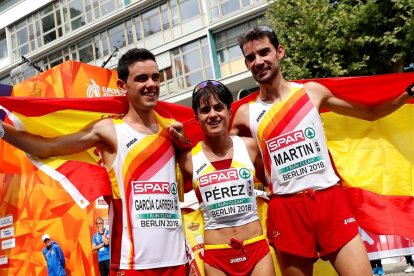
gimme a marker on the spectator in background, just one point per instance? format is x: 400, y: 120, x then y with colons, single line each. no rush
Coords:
x: 410, y: 264
x: 100, y: 243
x: 54, y: 257
x: 376, y: 266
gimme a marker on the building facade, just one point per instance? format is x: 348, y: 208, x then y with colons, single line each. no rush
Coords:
x: 193, y: 40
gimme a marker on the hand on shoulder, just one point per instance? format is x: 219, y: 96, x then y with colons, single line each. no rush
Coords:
x: 176, y: 129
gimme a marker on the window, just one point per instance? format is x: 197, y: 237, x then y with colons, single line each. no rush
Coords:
x: 214, y: 10
x: 77, y: 15
x: 89, y: 10
x: 208, y: 69
x: 65, y: 53
x: 166, y: 23
x: 224, y: 8
x: 6, y: 4
x: 48, y: 24
x: 97, y: 45
x: 178, y: 68
x: 85, y: 49
x: 22, y: 39
x: 190, y: 65
x: 109, y: 6
x: 151, y: 22
x: 117, y: 37
x: 105, y: 47
x: 229, y: 54
x: 138, y: 30
x: 229, y: 6
x: 3, y: 46
x: 175, y: 18
x: 38, y: 36
x: 167, y: 79
x: 55, y: 20
x: 55, y: 59
x: 130, y: 34
x: 189, y: 9
x: 227, y: 40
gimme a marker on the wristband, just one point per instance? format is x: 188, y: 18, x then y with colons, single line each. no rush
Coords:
x: 409, y: 91
x: 1, y: 130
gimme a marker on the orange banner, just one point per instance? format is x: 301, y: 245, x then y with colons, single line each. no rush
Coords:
x: 33, y: 202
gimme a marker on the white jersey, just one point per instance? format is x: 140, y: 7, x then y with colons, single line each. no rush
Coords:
x: 228, y: 197
x: 293, y: 144
x: 145, y: 218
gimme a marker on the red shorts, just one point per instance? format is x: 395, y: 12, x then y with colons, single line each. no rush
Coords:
x: 238, y: 258
x: 311, y: 224
x: 180, y: 270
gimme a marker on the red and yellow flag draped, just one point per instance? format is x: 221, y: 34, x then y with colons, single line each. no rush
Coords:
x: 375, y: 159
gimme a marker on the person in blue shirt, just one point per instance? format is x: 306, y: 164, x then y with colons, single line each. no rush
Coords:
x: 100, y: 243
x: 54, y: 257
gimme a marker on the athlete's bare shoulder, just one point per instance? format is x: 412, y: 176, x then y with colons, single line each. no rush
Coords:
x: 241, y: 125
x: 186, y: 165
x: 249, y: 141
x: 251, y: 146
x: 317, y: 92
x: 105, y: 129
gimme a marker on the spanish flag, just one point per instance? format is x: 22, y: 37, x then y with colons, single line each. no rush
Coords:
x: 375, y: 160
x: 63, y: 100
x: 82, y: 175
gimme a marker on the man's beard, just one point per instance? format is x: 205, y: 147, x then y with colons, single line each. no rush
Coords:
x: 265, y: 80
x: 268, y: 78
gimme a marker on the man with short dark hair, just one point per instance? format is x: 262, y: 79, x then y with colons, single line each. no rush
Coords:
x: 308, y: 214
x: 145, y: 218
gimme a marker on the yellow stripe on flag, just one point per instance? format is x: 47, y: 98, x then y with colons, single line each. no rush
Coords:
x: 375, y: 156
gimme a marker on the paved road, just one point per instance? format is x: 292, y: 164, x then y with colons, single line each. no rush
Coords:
x: 396, y: 269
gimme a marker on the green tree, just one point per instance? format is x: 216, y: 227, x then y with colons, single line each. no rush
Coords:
x: 344, y: 37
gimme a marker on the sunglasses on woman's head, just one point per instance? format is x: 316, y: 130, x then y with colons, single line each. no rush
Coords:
x: 206, y: 83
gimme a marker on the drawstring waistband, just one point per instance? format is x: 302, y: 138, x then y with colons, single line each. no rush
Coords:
x: 234, y: 243
x: 310, y: 192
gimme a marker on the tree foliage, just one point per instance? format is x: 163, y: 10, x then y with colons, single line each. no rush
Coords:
x: 344, y: 37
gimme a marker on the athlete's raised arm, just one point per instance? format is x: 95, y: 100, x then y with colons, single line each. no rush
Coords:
x: 322, y: 97
x: 44, y: 147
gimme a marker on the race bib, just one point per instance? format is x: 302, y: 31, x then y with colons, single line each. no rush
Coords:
x: 296, y: 154
x: 155, y: 205
x: 227, y: 192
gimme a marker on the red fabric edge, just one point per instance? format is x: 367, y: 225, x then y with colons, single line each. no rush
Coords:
x: 379, y: 214
x: 86, y: 175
